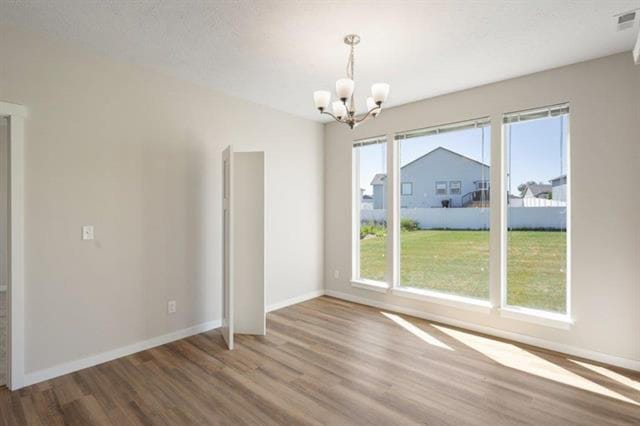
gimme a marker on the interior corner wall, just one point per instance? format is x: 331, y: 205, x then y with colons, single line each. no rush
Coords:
x: 605, y: 152
x: 137, y: 154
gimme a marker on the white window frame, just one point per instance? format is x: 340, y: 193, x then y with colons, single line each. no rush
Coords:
x: 446, y: 187
x: 356, y: 280
x: 461, y: 302
x: 402, y: 192
x: 498, y: 230
x: 521, y: 313
x: 459, y: 188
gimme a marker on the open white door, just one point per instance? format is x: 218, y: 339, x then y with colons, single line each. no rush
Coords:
x: 227, y: 247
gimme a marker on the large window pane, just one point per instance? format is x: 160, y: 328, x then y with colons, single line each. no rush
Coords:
x: 370, y: 162
x: 537, y: 183
x: 444, y: 237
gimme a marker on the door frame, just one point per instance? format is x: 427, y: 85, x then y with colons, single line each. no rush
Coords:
x: 228, y: 301
x: 15, y: 328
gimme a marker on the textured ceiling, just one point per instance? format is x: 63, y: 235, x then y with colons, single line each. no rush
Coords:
x: 277, y: 52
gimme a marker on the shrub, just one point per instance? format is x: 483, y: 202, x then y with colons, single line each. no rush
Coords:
x: 408, y: 224
x: 374, y: 229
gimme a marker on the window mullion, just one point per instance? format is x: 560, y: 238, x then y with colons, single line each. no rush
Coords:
x: 393, y: 212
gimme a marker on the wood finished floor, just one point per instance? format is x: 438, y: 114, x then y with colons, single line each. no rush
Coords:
x: 327, y: 361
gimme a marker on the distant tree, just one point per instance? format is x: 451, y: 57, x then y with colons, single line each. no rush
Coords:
x: 523, y: 187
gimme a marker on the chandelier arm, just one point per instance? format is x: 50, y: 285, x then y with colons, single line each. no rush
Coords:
x: 364, y: 117
x: 332, y: 116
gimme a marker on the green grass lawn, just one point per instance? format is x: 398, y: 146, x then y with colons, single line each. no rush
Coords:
x: 457, y: 262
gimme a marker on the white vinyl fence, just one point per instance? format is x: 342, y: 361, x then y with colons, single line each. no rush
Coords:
x: 476, y: 218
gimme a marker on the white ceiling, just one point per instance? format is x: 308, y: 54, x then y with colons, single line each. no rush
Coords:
x: 277, y: 53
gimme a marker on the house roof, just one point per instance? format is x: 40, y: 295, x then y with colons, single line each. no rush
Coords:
x: 446, y: 150
x: 379, y: 179
x: 539, y: 188
x: 559, y: 178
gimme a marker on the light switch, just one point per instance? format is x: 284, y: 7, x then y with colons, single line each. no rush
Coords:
x: 87, y: 232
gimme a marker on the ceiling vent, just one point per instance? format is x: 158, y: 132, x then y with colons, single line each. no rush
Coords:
x: 626, y: 20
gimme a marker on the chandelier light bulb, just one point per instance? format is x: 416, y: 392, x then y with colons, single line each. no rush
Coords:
x: 339, y: 110
x: 344, y: 88
x: 321, y: 98
x: 380, y: 92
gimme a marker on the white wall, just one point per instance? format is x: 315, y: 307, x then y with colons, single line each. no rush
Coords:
x: 605, y: 130
x: 137, y: 154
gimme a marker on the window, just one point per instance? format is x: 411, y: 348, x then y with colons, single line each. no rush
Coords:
x: 482, y: 185
x: 406, y: 188
x: 445, y: 250
x: 370, y: 222
x: 441, y: 188
x: 538, y: 184
x: 455, y: 187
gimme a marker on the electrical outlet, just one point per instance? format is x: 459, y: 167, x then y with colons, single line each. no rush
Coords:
x: 87, y: 232
x: 171, y: 307
x: 336, y: 274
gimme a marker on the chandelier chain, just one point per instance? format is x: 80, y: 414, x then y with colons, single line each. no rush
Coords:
x: 350, y: 65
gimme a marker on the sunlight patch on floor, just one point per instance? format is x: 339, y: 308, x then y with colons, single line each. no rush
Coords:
x: 416, y: 331
x: 514, y: 357
x: 633, y: 384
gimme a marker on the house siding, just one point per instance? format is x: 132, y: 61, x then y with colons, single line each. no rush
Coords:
x: 439, y: 165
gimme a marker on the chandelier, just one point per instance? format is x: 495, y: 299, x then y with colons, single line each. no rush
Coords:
x: 344, y: 110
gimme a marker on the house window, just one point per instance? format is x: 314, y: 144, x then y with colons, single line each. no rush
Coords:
x: 537, y: 181
x: 370, y: 224
x: 406, y: 188
x: 455, y: 187
x: 482, y: 185
x: 440, y: 249
x: 441, y: 188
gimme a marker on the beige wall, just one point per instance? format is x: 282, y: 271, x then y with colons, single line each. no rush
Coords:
x: 137, y: 154
x: 605, y: 153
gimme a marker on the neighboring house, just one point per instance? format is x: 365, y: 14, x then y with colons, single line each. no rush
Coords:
x: 379, y: 184
x: 559, y: 188
x: 439, y: 175
x: 366, y: 202
x: 538, y: 190
x: 545, y: 195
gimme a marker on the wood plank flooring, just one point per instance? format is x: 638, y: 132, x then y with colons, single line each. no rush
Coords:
x: 328, y: 361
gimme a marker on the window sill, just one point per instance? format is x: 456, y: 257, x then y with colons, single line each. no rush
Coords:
x: 460, y: 302
x: 535, y: 316
x: 378, y: 286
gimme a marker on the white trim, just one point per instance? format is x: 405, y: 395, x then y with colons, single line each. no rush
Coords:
x: 12, y: 110
x: 380, y: 287
x: 630, y: 364
x: 393, y: 211
x: 295, y: 300
x: 561, y: 321
x: 468, y: 303
x: 15, y: 353
x: 80, y: 364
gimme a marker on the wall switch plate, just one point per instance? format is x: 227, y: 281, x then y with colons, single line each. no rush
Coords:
x: 87, y: 232
x: 336, y: 274
x: 171, y: 307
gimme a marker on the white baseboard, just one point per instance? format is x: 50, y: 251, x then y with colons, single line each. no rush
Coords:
x: 295, y: 300
x: 529, y: 340
x: 70, y: 367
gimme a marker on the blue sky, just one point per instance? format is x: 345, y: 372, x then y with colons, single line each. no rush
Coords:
x: 536, y: 149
